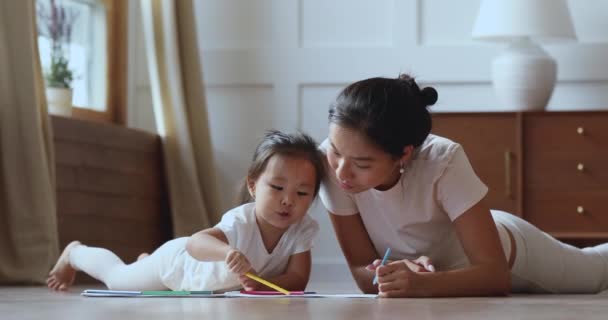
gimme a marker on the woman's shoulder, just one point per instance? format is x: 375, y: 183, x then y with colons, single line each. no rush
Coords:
x: 437, y: 148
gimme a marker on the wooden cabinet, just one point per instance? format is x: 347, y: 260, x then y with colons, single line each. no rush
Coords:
x: 491, y: 141
x: 548, y: 167
x: 565, y: 173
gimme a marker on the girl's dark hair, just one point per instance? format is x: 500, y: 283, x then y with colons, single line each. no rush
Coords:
x: 391, y: 112
x: 279, y: 143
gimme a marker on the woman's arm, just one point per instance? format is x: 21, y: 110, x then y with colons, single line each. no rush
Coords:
x: 208, y: 245
x: 357, y: 248
x: 488, y: 273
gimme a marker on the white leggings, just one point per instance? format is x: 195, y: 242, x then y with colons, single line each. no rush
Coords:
x: 545, y: 265
x: 104, y: 265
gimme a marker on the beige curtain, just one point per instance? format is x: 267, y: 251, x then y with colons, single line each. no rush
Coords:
x: 180, y: 112
x: 28, y: 223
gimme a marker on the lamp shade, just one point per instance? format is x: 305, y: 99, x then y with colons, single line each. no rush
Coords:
x: 539, y: 20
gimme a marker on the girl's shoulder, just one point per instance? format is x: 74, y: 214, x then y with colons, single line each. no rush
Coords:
x: 307, y: 228
x: 242, y: 214
x: 306, y: 225
x: 308, y: 222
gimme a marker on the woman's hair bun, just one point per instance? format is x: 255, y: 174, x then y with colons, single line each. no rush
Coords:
x: 429, y: 95
x: 405, y: 77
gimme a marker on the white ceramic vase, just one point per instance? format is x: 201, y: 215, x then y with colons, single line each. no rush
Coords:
x: 59, y: 101
x: 524, y: 76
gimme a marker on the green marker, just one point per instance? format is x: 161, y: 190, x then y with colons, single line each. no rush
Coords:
x: 173, y: 293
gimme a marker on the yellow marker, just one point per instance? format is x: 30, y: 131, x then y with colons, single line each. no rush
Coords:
x: 264, y: 282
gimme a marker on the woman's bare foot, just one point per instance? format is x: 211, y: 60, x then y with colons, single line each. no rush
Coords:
x: 143, y: 255
x: 62, y: 275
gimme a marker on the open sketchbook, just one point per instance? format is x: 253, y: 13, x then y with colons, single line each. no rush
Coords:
x: 211, y: 294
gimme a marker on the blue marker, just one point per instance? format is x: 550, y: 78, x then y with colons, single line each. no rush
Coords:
x: 386, y: 255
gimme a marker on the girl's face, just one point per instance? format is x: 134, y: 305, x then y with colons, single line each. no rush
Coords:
x: 358, y: 164
x: 284, y: 191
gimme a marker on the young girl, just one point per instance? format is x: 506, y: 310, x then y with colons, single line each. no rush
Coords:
x: 271, y: 236
x: 393, y: 185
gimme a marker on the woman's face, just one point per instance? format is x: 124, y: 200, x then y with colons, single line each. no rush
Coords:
x: 358, y: 164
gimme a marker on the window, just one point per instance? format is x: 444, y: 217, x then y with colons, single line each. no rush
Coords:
x: 86, y: 52
x: 95, y: 52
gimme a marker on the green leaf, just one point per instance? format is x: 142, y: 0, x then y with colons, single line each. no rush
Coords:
x: 59, y: 75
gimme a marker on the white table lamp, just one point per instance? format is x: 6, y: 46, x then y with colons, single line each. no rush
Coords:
x: 524, y: 74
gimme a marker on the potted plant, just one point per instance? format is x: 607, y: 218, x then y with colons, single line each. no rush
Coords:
x: 55, y: 22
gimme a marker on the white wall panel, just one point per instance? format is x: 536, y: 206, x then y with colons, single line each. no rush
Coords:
x: 329, y: 250
x: 463, y: 97
x: 313, y: 109
x: 314, y: 106
x: 237, y: 24
x: 472, y: 97
x: 579, y: 95
x: 590, y: 18
x: 280, y: 63
x: 346, y: 23
x: 446, y: 22
x: 238, y: 117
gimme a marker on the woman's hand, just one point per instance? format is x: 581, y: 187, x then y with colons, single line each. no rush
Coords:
x: 237, y: 262
x: 396, y: 279
x: 422, y: 264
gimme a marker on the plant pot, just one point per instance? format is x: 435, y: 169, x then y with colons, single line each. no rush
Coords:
x: 59, y: 101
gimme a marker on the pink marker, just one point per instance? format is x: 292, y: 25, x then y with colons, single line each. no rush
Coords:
x: 276, y: 293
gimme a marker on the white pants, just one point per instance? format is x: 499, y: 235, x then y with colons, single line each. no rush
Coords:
x: 142, y: 275
x: 545, y: 265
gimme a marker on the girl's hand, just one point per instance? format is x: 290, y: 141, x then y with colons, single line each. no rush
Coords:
x: 237, y: 262
x: 425, y: 263
x: 396, y: 280
x: 248, y: 283
x: 422, y: 264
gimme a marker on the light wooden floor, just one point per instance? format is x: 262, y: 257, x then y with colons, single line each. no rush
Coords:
x: 38, y: 303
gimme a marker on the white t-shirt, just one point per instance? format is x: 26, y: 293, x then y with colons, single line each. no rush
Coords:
x: 415, y: 216
x: 239, y: 225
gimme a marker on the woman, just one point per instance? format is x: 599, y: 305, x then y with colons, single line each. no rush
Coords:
x: 393, y: 185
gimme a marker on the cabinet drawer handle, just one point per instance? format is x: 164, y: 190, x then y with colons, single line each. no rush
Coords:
x: 580, y: 210
x: 580, y: 167
x: 508, y: 174
x: 580, y: 130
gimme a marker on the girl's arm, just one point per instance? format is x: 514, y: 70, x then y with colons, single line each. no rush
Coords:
x: 208, y: 245
x: 357, y: 248
x: 488, y: 273
x: 212, y: 245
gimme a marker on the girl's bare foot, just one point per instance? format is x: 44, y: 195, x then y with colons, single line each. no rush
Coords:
x: 62, y: 275
x: 143, y: 255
